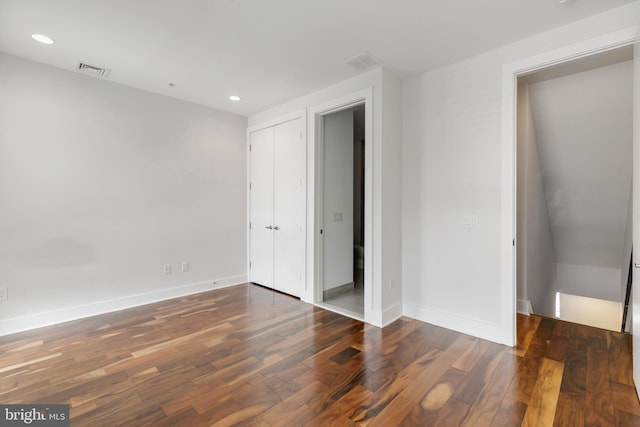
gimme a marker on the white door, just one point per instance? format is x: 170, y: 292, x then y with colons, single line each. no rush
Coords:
x: 289, y: 208
x: 261, y: 207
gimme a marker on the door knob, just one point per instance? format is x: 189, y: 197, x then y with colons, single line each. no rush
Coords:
x: 276, y: 228
x: 268, y: 227
x: 636, y: 265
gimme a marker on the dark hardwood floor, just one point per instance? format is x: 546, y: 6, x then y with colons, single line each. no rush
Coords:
x: 248, y: 356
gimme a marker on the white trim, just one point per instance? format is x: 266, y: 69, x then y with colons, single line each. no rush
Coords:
x: 248, y: 210
x: 391, y: 314
x: 466, y: 325
x: 635, y: 295
x: 48, y: 318
x: 347, y: 287
x: 315, y: 131
x: 524, y: 306
x: 225, y: 282
x: 510, y: 73
x: 318, y: 288
x: 300, y: 114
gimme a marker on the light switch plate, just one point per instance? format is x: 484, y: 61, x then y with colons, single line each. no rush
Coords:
x: 469, y: 221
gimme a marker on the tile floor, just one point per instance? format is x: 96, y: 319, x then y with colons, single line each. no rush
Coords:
x: 351, y: 300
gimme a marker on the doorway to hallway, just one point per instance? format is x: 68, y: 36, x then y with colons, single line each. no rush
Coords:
x: 574, y: 185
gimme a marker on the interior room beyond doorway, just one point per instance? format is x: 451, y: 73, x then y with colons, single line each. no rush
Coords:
x: 343, y: 184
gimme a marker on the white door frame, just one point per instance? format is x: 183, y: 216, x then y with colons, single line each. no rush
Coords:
x: 635, y: 302
x: 316, y: 121
x: 510, y: 73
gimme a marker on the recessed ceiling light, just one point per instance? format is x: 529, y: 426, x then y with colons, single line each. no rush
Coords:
x: 42, y: 38
x: 234, y: 98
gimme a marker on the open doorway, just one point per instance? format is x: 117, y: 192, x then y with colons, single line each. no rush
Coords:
x: 342, y: 208
x: 574, y: 189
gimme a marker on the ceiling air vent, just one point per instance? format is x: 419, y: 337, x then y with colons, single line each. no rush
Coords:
x: 363, y: 61
x: 92, y: 70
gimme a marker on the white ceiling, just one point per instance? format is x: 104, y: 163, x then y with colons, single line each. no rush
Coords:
x: 268, y: 51
x: 584, y: 125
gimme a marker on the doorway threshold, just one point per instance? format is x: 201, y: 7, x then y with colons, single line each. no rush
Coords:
x: 340, y: 310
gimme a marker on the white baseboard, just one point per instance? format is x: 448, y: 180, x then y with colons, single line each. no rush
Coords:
x: 477, y: 328
x: 38, y: 320
x: 329, y: 293
x: 385, y: 317
x: 391, y: 314
x: 524, y: 306
x: 225, y: 282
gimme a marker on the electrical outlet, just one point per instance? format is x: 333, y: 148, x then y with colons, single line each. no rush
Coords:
x: 4, y: 293
x: 185, y: 267
x: 167, y: 269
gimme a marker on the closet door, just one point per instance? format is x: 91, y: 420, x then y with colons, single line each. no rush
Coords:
x: 289, y: 208
x: 261, y: 209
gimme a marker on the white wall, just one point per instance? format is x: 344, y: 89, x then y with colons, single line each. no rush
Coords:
x: 589, y: 281
x: 536, y: 255
x: 384, y: 304
x: 358, y: 177
x: 584, y: 131
x: 452, y: 165
x: 389, y: 159
x: 101, y: 186
x: 626, y: 253
x: 338, y: 199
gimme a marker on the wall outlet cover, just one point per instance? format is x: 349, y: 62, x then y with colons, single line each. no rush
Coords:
x: 468, y: 221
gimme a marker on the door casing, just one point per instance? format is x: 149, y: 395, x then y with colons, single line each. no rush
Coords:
x: 316, y: 117
x: 510, y: 73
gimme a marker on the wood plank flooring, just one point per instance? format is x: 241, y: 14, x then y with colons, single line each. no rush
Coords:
x: 248, y: 356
